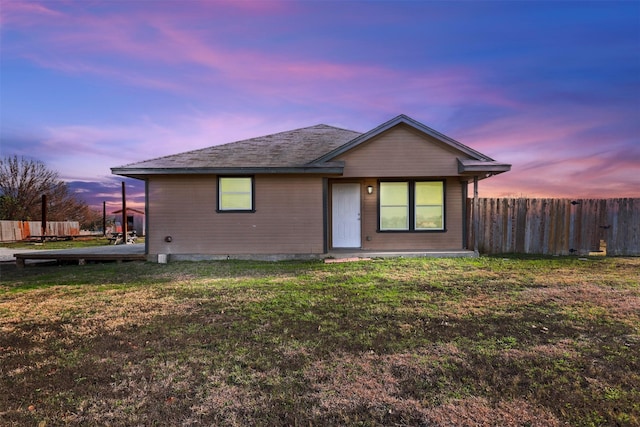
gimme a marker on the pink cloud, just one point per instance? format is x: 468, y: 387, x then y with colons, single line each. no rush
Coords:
x: 77, y: 43
x: 600, y: 175
x: 141, y: 34
x: 255, y: 7
x: 555, y: 152
x: 78, y: 67
x: 80, y: 152
x: 24, y: 13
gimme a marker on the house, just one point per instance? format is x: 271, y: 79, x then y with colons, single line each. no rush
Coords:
x: 312, y: 191
x: 135, y: 221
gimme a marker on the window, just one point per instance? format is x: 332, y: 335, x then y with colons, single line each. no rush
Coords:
x: 235, y: 194
x: 411, y: 206
x: 394, y: 206
x: 429, y: 204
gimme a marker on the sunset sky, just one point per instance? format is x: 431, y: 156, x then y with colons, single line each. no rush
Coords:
x: 551, y: 87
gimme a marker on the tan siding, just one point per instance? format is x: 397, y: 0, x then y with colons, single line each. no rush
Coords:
x: 451, y: 239
x: 401, y: 152
x: 288, y: 217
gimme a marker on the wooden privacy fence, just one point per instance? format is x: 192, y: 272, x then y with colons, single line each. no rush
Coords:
x: 556, y: 226
x: 13, y: 231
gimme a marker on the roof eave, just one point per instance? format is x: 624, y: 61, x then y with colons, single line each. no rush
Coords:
x: 481, y: 168
x: 139, y: 173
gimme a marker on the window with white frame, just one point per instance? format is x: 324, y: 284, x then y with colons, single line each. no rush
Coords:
x: 235, y: 194
x: 411, y: 206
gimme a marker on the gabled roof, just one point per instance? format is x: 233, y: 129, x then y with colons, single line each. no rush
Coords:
x: 312, y: 149
x: 402, y: 119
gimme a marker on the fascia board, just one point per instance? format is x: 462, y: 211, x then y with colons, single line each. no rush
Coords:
x: 468, y: 166
x: 138, y: 172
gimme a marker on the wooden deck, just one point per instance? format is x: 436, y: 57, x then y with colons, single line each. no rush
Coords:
x: 118, y: 253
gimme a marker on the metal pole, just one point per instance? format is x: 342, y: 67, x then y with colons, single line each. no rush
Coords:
x: 124, y: 215
x: 476, y: 220
x: 104, y: 218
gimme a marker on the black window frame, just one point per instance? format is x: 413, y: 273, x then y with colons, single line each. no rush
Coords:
x: 253, y: 194
x: 412, y: 206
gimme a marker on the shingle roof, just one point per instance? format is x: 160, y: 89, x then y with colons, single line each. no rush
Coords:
x: 290, y: 149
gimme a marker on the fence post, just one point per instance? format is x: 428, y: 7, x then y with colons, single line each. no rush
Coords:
x: 124, y: 215
x: 476, y: 210
x: 44, y: 218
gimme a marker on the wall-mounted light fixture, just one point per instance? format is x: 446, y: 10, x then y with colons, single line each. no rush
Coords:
x: 370, y: 189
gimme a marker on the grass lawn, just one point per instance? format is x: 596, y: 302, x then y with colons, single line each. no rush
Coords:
x: 433, y: 342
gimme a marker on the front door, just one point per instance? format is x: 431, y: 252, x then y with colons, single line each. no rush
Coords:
x: 345, y: 214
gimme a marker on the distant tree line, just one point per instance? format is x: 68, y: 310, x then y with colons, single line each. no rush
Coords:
x: 22, y: 184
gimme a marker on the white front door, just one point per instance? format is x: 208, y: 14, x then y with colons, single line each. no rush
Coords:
x: 345, y: 214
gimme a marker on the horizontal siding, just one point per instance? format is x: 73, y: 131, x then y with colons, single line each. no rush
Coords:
x: 288, y: 217
x: 451, y: 239
x: 401, y: 152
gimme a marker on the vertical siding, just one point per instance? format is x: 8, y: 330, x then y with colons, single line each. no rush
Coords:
x: 288, y: 217
x: 557, y: 226
x: 623, y: 227
x: 401, y: 151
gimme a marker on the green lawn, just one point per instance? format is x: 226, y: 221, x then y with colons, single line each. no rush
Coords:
x: 434, y: 342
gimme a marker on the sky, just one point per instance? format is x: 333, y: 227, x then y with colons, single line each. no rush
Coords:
x: 552, y: 88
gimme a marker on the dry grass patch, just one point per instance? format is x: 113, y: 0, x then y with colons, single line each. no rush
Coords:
x: 86, y: 313
x: 592, y: 301
x: 479, y: 412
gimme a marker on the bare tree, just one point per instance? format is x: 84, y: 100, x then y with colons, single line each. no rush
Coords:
x: 22, y: 184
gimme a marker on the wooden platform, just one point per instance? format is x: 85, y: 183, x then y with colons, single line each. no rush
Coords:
x: 118, y: 253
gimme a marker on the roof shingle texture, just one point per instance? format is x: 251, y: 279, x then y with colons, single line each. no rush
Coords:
x: 293, y: 148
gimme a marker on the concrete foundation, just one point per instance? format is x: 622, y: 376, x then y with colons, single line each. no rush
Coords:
x: 338, y: 254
